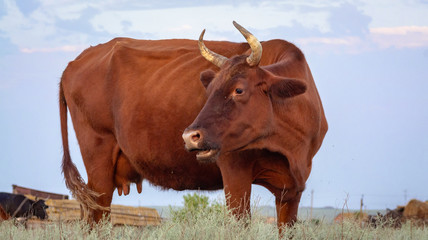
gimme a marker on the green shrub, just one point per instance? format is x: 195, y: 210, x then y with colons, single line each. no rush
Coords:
x: 196, y: 206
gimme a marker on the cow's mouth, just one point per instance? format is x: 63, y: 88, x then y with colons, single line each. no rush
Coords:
x: 207, y: 155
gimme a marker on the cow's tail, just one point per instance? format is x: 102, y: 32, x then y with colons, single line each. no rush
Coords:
x: 72, y: 177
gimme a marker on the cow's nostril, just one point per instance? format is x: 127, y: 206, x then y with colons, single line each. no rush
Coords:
x: 196, y: 136
x: 192, y: 138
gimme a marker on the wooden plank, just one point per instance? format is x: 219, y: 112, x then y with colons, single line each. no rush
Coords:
x: 40, y: 194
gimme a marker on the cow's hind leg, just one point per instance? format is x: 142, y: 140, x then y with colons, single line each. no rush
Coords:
x: 102, y: 184
x: 100, y: 170
x: 98, y: 153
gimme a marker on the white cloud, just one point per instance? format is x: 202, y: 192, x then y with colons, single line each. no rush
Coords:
x: 345, y: 41
x: 378, y: 38
x: 392, y: 13
x: 323, y: 45
x: 400, y: 37
x: 403, y: 30
x: 184, y: 27
x: 218, y: 18
x: 65, y: 48
x: 39, y: 31
x: 390, y: 37
x: 70, y: 9
x: 36, y: 31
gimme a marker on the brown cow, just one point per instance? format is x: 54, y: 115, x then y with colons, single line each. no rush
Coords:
x: 357, y: 217
x: 416, y: 211
x: 260, y: 121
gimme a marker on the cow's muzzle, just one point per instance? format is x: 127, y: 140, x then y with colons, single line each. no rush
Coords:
x: 194, y: 141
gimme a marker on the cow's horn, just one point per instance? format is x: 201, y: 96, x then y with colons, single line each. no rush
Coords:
x: 255, y: 45
x: 211, y: 56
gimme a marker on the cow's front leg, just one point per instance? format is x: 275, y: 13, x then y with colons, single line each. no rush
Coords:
x: 286, y: 209
x: 237, y: 179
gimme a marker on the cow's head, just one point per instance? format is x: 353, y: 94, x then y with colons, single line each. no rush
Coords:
x: 38, y: 209
x: 239, y: 109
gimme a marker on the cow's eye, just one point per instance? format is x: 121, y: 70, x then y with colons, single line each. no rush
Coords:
x: 239, y: 91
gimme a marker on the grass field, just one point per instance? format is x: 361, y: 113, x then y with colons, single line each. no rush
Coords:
x: 213, y: 222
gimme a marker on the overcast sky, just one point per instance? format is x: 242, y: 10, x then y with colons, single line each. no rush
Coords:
x: 369, y: 59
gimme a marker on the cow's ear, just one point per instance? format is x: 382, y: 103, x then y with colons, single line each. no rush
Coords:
x: 207, y: 76
x: 287, y: 87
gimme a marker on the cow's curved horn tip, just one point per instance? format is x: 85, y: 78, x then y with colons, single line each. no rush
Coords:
x: 201, y: 37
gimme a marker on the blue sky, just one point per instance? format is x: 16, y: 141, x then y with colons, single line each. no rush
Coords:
x: 369, y: 60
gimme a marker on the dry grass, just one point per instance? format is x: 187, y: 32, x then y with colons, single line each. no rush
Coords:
x: 209, y: 224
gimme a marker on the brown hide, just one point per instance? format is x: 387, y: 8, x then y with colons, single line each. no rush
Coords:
x: 130, y: 101
x: 416, y: 211
x: 3, y: 214
x: 350, y: 216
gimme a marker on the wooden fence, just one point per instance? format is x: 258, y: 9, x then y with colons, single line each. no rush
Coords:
x: 62, y: 209
x: 66, y: 210
x: 69, y: 210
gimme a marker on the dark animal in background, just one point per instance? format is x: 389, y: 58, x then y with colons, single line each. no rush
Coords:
x: 392, y: 218
x: 257, y: 119
x: 374, y: 220
x: 16, y: 205
x: 415, y: 211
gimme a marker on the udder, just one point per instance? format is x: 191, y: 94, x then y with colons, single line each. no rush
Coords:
x: 124, y: 175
